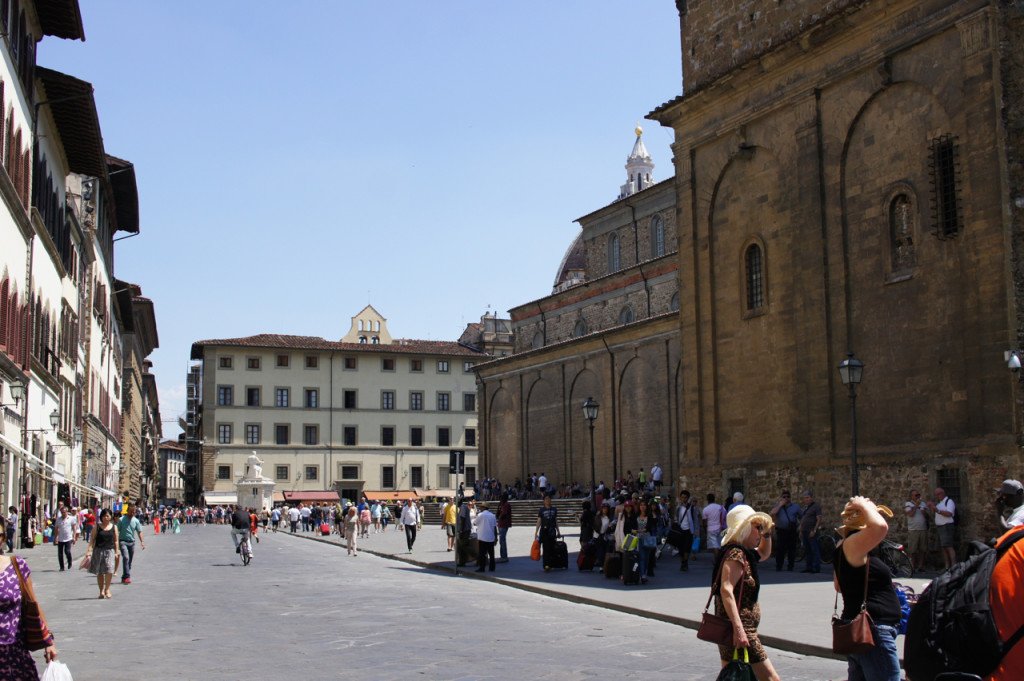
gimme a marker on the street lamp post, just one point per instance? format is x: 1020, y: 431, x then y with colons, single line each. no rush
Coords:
x: 851, y: 371
x: 590, y: 407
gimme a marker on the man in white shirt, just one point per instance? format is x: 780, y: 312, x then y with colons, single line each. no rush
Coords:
x: 410, y: 519
x: 293, y: 518
x: 542, y: 482
x: 656, y: 475
x: 714, y: 519
x: 486, y: 534
x: 944, y: 510
x: 65, y: 534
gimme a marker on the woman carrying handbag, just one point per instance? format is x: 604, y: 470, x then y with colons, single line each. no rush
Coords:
x: 747, y: 542
x: 22, y: 625
x: 865, y: 582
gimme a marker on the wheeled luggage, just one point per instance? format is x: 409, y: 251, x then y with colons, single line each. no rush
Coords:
x: 630, y: 568
x: 588, y: 556
x: 613, y: 565
x: 560, y: 557
x: 465, y: 550
x: 325, y: 529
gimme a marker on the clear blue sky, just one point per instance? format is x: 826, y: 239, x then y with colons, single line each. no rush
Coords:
x: 297, y: 160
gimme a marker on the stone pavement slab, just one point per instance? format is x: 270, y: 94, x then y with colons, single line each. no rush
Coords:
x: 796, y: 607
x: 306, y: 610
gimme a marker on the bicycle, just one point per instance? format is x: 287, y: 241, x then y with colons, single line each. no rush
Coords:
x: 245, y: 549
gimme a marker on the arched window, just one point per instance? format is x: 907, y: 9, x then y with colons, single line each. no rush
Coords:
x: 580, y: 329
x: 614, y: 253
x: 360, y: 324
x: 657, y: 237
x: 754, y: 260
x: 362, y: 339
x: 538, y: 340
x: 903, y: 253
x: 674, y: 303
x: 626, y: 315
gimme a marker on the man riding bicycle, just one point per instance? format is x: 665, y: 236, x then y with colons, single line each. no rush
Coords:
x: 240, y: 528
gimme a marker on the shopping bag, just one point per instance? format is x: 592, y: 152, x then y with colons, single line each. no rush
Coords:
x: 738, y: 670
x: 86, y: 562
x: 630, y: 542
x: 535, y: 550
x: 56, y: 671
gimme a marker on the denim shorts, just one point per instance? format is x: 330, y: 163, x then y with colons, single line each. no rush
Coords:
x: 882, y: 663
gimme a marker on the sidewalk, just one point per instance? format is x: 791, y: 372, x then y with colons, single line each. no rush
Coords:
x: 796, y: 608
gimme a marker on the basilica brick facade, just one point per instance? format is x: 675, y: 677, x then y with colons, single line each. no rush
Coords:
x: 848, y: 178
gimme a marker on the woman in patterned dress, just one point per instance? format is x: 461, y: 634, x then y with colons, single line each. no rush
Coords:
x: 747, y: 542
x: 103, y: 552
x: 16, y: 663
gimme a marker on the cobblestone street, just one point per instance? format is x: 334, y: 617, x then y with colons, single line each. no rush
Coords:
x: 305, y: 609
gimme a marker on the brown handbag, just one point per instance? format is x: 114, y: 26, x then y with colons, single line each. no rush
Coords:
x: 854, y: 636
x: 33, y: 627
x: 715, y: 628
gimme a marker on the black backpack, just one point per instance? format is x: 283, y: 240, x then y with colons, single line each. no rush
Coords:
x: 951, y: 629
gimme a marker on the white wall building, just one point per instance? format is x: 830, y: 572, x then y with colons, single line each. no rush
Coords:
x: 367, y: 413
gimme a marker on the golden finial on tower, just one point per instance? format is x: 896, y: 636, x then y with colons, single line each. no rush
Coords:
x: 639, y: 131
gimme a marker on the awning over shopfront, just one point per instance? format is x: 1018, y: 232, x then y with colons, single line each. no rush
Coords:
x: 390, y: 495
x: 317, y: 496
x: 278, y: 498
x: 103, y: 491
x: 220, y: 498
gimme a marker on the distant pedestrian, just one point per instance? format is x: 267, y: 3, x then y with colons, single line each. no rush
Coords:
x: 352, y: 531
x: 365, y: 519
x: 547, y: 531
x: 737, y: 499
x: 410, y: 520
x: 656, y: 476
x: 504, y: 524
x: 275, y: 519
x: 944, y: 510
x: 375, y: 516
x: 786, y: 515
x: 688, y: 521
x: 448, y: 523
x: 917, y: 529
x: 129, y: 529
x: 65, y: 533
x: 486, y: 535
x: 304, y: 513
x: 808, y: 533
x: 714, y: 520
x: 294, y: 515
x: 103, y: 557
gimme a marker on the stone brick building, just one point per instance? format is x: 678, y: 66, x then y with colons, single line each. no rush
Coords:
x: 608, y: 331
x: 848, y: 178
x: 845, y: 183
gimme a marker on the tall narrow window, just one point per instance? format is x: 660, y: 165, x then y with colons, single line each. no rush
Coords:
x: 626, y: 315
x: 903, y: 254
x: 580, y: 329
x: 614, y: 253
x: 657, y: 237
x: 945, y: 167
x: 755, y: 277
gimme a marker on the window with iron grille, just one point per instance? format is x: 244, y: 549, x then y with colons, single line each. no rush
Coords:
x: 223, y: 472
x: 755, y: 277
x: 949, y: 480
x: 281, y: 472
x: 902, y: 251
x: 945, y: 172
x: 350, y: 472
x: 312, y: 473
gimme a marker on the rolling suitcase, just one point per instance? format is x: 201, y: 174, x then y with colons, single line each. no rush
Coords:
x: 560, y: 559
x: 630, y: 568
x: 325, y: 529
x: 613, y: 565
x: 588, y: 556
x: 465, y: 550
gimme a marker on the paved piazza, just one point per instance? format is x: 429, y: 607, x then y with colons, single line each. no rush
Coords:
x: 306, y: 610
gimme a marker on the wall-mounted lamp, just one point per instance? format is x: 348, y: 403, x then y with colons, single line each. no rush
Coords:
x: 17, y: 391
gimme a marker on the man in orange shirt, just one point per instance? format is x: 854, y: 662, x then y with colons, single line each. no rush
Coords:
x: 1006, y: 594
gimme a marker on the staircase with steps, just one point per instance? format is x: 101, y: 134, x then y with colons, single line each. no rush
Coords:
x: 524, y: 512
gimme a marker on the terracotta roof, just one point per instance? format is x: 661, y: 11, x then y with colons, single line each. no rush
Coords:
x: 172, y: 444
x: 74, y: 109
x: 401, y: 346
x: 61, y: 19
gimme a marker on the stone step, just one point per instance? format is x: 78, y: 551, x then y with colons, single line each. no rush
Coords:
x: 524, y: 511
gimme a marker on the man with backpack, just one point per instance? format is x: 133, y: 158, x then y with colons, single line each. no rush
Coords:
x: 240, y: 527
x: 969, y: 618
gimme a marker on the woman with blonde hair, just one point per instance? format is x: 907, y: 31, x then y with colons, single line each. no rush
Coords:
x: 747, y: 542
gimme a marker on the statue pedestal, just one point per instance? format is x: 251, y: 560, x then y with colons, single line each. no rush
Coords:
x: 254, y: 490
